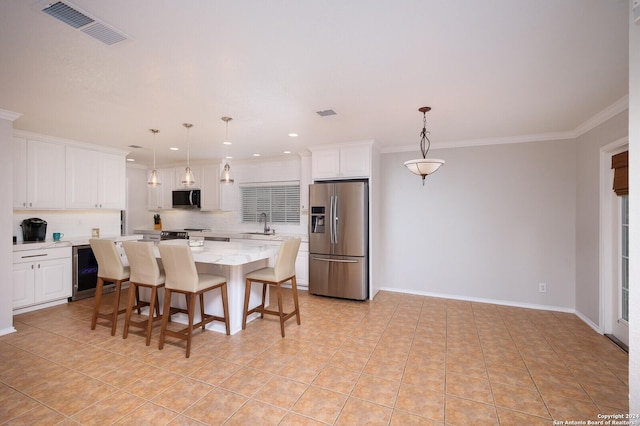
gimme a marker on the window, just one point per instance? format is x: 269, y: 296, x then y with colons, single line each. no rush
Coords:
x: 280, y: 201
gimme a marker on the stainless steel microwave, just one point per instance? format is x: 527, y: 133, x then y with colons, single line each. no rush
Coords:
x: 186, y: 199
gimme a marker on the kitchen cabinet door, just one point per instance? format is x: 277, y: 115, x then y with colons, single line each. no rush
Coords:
x: 325, y: 163
x: 23, y: 284
x: 52, y: 280
x: 82, y: 178
x: 45, y: 175
x: 302, y: 265
x: 111, y: 181
x: 210, y: 188
x: 95, y: 180
x: 348, y: 161
x: 19, y: 173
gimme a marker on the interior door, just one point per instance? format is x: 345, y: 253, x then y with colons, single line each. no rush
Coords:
x: 620, y: 287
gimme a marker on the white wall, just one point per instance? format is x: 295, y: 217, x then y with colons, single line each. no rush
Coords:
x: 588, y: 212
x: 492, y: 223
x: 634, y: 212
x: 6, y: 214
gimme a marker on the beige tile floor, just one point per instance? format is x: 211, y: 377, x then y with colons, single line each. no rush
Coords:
x: 397, y: 360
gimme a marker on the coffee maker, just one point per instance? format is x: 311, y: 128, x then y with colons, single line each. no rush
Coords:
x: 34, y: 229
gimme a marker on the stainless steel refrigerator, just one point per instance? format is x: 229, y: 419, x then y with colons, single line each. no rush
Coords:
x: 339, y: 239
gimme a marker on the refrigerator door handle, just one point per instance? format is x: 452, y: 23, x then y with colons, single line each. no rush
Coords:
x: 335, y: 219
x: 332, y: 222
x: 334, y: 260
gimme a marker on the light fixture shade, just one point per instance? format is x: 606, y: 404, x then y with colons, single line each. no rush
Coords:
x: 187, y: 178
x: 225, y: 177
x: 424, y: 166
x: 154, y: 179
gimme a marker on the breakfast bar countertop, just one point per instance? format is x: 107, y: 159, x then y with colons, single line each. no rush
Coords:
x: 228, y: 253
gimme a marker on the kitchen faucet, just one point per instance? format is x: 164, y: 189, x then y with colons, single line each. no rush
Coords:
x: 263, y: 216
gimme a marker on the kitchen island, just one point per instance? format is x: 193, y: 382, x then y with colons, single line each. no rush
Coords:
x: 232, y: 260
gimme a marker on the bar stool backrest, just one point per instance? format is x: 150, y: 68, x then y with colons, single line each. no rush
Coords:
x: 179, y: 267
x: 142, y: 262
x: 109, y: 262
x: 285, y: 266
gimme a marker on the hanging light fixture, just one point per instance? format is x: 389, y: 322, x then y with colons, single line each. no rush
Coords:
x: 225, y: 177
x: 424, y: 166
x: 154, y: 180
x: 187, y: 178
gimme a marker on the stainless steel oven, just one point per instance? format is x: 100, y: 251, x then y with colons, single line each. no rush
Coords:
x: 85, y: 274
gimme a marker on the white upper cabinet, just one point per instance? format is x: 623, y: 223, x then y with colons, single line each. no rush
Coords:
x: 19, y: 173
x: 341, y: 162
x: 95, y: 180
x: 39, y: 175
x: 112, y: 172
x: 210, y: 187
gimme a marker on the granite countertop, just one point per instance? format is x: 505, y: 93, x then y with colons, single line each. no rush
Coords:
x: 227, y: 253
x: 249, y: 236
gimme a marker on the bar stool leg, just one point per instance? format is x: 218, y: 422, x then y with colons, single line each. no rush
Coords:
x: 280, y: 310
x: 98, y: 300
x: 166, y: 315
x: 225, y: 309
x: 294, y: 290
x: 247, y: 293
x: 192, y: 308
x: 127, y: 318
x: 153, y: 302
x: 116, y: 307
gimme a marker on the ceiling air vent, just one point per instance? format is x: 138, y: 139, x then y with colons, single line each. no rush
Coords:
x: 326, y: 112
x: 71, y: 15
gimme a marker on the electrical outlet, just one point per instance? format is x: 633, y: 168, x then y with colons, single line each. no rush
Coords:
x: 542, y: 287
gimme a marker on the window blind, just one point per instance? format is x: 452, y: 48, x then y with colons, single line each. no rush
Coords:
x: 280, y: 202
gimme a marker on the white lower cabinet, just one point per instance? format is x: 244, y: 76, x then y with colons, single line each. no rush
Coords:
x: 41, y: 276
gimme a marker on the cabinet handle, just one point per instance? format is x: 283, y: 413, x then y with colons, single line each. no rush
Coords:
x: 34, y: 255
x: 31, y: 266
x: 38, y: 266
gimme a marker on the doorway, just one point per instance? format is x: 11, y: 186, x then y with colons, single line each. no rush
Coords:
x: 614, y: 254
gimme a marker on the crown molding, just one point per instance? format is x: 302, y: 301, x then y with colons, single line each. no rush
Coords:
x: 604, y: 115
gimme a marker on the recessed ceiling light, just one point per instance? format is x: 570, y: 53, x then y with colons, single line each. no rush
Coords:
x: 228, y: 157
x: 287, y: 152
x: 256, y: 155
x: 173, y: 148
x: 226, y: 143
x: 293, y: 135
x: 131, y: 160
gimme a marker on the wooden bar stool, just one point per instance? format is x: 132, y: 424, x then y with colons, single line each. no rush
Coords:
x: 182, y: 277
x: 111, y: 270
x: 284, y: 270
x: 145, y: 273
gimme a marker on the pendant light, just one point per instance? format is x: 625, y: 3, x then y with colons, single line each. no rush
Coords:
x: 187, y: 178
x: 225, y: 177
x: 424, y: 166
x: 154, y: 180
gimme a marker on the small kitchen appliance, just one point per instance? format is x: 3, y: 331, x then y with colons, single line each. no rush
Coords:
x: 34, y: 229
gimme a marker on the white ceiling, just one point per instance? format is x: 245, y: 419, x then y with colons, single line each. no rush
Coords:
x: 488, y: 68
